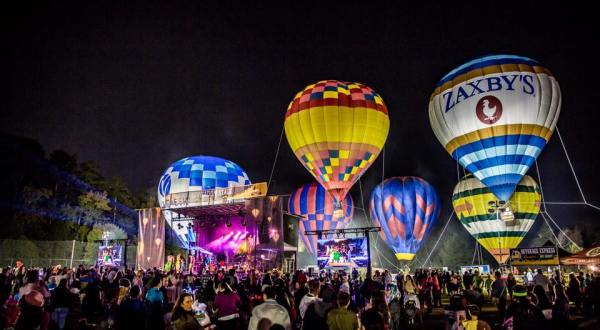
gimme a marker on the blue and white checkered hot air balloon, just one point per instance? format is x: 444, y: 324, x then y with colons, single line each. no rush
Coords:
x: 193, y: 174
x: 494, y: 115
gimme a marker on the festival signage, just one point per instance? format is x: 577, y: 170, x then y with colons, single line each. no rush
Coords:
x: 543, y: 255
x: 217, y: 196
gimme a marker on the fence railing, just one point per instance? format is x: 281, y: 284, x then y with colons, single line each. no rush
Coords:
x: 51, y: 253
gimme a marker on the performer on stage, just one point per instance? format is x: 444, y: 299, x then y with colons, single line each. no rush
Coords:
x: 169, y: 263
x: 191, y: 264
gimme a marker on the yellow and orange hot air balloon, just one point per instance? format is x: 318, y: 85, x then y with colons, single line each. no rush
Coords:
x: 337, y: 130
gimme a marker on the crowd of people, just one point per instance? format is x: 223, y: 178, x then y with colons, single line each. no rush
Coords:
x: 104, y: 297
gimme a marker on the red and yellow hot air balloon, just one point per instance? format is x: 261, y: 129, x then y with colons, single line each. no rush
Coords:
x: 337, y: 130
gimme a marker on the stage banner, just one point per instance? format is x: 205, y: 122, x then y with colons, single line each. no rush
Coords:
x: 534, y: 256
x: 268, y: 214
x: 151, y: 239
x: 290, y: 229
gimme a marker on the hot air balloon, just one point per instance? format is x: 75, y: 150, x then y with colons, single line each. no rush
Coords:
x: 497, y: 225
x: 315, y: 206
x: 337, y: 129
x: 494, y: 115
x: 196, y: 173
x: 405, y: 208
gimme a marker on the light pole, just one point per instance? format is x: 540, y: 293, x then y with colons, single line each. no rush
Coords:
x: 503, y: 212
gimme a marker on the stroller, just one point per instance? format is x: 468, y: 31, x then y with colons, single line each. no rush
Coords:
x: 404, y: 310
x: 412, y: 308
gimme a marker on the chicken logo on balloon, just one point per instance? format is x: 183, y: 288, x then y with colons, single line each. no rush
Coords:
x: 489, y: 109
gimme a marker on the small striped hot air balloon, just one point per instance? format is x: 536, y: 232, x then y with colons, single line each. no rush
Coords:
x: 314, y: 204
x: 497, y: 226
x: 494, y: 115
x: 337, y: 129
x: 405, y: 208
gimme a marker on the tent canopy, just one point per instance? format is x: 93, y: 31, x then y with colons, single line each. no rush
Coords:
x: 589, y: 256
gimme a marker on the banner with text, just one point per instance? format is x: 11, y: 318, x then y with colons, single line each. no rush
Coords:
x: 543, y: 255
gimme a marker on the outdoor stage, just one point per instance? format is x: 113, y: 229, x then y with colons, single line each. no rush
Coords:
x: 238, y: 233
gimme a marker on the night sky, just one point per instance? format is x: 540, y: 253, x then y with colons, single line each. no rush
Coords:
x: 137, y: 86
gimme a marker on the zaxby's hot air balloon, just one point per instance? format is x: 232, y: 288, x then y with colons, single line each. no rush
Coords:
x: 494, y: 115
x: 315, y: 206
x: 193, y: 174
x: 337, y: 129
x: 497, y: 226
x: 405, y: 208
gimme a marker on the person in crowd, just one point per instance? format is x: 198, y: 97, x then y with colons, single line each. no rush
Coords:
x: 315, y: 317
x: 341, y: 318
x: 32, y: 314
x: 436, y: 288
x: 594, y: 294
x: 33, y: 282
x: 541, y: 279
x: 473, y: 322
x: 61, y: 301
x: 522, y: 314
x: 511, y: 281
x: 182, y: 315
x: 473, y: 297
x: 574, y: 290
x: 467, y: 278
x: 312, y: 296
x: 542, y: 301
x: 270, y: 310
x: 284, y: 297
x: 477, y: 281
x: 154, y: 301
x: 487, y: 283
x: 91, y: 305
x: 226, y: 305
x: 400, y: 284
x: 560, y: 310
x: 424, y: 290
x: 345, y: 286
x: 131, y: 312
x: 499, y: 294
x: 558, y: 277
x: 371, y: 320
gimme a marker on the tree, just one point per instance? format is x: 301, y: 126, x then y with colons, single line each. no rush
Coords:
x: 33, y: 196
x: 94, y: 204
x: 118, y: 190
x: 63, y: 160
x: 105, y: 231
x: 90, y: 173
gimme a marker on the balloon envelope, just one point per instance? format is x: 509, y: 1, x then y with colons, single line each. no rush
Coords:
x: 337, y: 129
x: 406, y: 208
x: 197, y: 173
x: 315, y: 205
x: 480, y: 213
x: 494, y: 115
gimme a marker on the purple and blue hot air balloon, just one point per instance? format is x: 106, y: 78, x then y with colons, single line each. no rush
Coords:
x: 315, y: 205
x: 405, y: 208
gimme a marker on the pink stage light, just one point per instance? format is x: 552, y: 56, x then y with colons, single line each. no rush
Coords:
x: 228, y: 236
x: 237, y: 236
